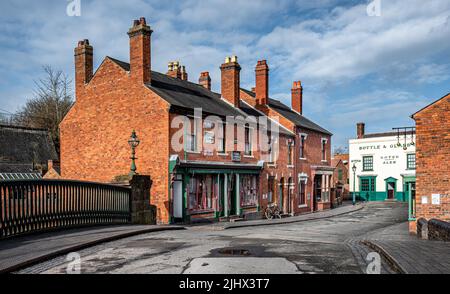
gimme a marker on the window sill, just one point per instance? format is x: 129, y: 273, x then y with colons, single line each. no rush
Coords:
x: 194, y: 152
x: 302, y: 158
x: 249, y: 206
x: 290, y: 166
x: 324, y: 160
x: 196, y: 212
x: 271, y: 165
x: 222, y: 154
x: 249, y: 156
x: 303, y: 206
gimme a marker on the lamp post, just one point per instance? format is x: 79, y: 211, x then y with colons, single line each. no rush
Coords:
x: 133, y: 142
x: 354, y: 183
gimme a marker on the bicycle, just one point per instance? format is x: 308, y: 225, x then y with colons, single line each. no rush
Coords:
x: 272, y: 211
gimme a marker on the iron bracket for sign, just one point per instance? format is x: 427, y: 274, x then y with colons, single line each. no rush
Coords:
x: 405, y: 131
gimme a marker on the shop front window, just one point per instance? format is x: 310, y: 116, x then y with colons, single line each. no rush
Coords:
x: 201, y: 193
x: 249, y: 190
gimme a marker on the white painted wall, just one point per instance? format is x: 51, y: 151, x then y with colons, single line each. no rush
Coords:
x: 379, y: 148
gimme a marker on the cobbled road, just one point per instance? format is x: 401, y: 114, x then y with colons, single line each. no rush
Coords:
x: 321, y: 246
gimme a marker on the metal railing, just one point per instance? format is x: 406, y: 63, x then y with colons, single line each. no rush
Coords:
x: 36, y: 205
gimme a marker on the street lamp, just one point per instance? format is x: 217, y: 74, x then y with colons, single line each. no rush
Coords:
x: 354, y: 183
x: 133, y: 142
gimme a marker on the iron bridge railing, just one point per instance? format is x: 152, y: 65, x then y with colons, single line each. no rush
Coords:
x: 28, y: 206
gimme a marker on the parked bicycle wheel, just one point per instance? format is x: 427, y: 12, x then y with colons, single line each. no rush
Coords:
x: 268, y: 213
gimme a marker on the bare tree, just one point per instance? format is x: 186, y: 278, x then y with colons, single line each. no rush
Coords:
x: 52, y: 99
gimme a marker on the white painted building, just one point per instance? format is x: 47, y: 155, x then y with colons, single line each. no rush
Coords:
x: 385, y: 165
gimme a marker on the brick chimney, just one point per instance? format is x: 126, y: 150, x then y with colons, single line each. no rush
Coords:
x: 84, y: 65
x: 184, y: 74
x: 231, y: 80
x: 205, y: 80
x: 360, y: 129
x: 174, y: 70
x: 140, y: 50
x: 297, y: 97
x: 262, y: 82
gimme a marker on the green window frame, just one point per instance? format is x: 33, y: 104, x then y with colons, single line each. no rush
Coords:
x: 340, y: 174
x: 367, y: 163
x: 411, y: 161
x: 367, y: 184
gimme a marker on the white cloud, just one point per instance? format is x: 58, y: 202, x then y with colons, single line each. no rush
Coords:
x: 339, y: 52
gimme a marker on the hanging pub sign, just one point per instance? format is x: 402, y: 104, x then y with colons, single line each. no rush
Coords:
x: 236, y: 156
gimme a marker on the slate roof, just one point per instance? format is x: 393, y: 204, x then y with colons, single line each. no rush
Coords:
x: 296, y: 118
x: 189, y: 95
x: 388, y: 134
x: 186, y: 94
x: 22, y: 148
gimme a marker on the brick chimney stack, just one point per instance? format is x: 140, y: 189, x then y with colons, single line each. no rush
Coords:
x: 140, y: 50
x: 297, y: 97
x: 84, y: 65
x: 174, y: 70
x: 262, y: 82
x: 205, y: 80
x: 184, y: 75
x: 231, y: 80
x: 360, y: 130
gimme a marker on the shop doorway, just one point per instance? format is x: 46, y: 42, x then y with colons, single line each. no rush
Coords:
x: 232, y: 194
x: 221, y: 187
x: 317, y: 191
x: 290, y: 198
x: 281, y: 195
x: 391, y: 190
x: 177, y: 196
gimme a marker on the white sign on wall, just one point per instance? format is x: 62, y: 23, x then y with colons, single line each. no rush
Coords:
x: 424, y: 199
x: 436, y: 199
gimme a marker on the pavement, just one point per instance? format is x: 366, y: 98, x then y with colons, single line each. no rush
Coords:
x: 344, y: 209
x: 323, y: 245
x: 23, y: 251
x: 409, y: 254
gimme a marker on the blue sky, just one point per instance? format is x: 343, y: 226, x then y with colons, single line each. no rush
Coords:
x: 353, y: 67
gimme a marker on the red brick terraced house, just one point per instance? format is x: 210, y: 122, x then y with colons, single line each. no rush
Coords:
x: 432, y: 195
x: 198, y: 173
x: 311, y: 163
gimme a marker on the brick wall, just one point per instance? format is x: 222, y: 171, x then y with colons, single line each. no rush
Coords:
x: 432, y: 159
x: 313, y: 157
x: 95, y: 133
x: 313, y: 151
